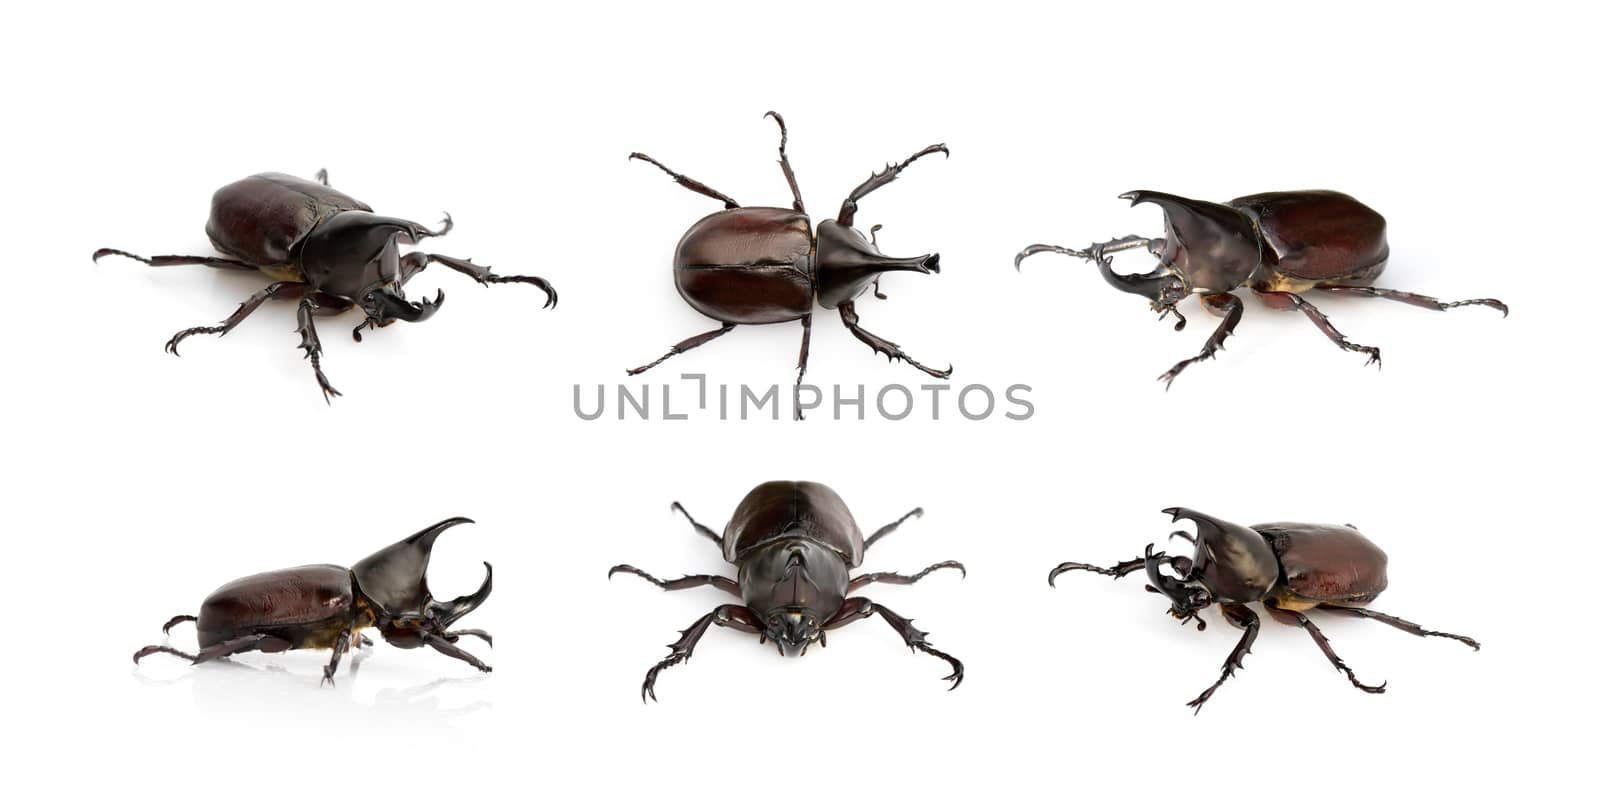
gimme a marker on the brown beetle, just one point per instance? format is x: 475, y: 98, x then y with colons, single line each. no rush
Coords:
x: 327, y: 607
x: 323, y: 248
x: 1280, y: 244
x: 1287, y: 566
x: 755, y: 265
x: 794, y: 544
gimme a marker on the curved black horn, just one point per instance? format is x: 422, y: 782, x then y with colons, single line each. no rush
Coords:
x: 395, y: 578
x: 449, y: 612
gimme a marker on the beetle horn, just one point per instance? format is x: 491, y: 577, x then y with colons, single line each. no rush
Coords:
x: 847, y: 262
x: 393, y: 307
x: 449, y: 612
x: 1216, y: 234
x: 395, y: 578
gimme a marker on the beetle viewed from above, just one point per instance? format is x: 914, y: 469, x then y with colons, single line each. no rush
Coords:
x: 323, y: 249
x: 1287, y: 566
x: 794, y: 544
x: 1281, y: 245
x: 327, y: 607
x: 756, y: 265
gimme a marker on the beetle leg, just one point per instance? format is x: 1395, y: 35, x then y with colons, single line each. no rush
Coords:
x: 1295, y: 617
x: 322, y: 176
x: 1247, y: 620
x: 847, y: 210
x: 340, y: 646
x: 1321, y: 321
x: 893, y: 578
x: 734, y: 616
x: 484, y: 277
x: 699, y: 528
x: 805, y: 356
x: 692, y: 581
x: 852, y: 321
x: 174, y: 621
x: 698, y: 187
x: 448, y: 648
x: 1235, y: 310
x: 1401, y: 624
x: 687, y: 345
x: 890, y: 528
x: 456, y: 634
x: 313, y: 346
x: 1426, y: 302
x: 1118, y: 571
x: 251, y: 304
x: 783, y: 160
x: 857, y: 607
x: 177, y: 259
x: 257, y: 642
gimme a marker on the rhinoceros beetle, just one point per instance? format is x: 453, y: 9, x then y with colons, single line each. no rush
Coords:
x: 755, y: 265
x: 794, y: 544
x: 327, y: 607
x: 324, y: 249
x: 1289, y: 567
x: 1279, y: 244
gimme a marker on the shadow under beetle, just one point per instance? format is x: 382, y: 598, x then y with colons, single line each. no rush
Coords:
x: 755, y: 265
x: 1279, y: 244
x: 794, y: 544
x: 327, y: 607
x: 324, y: 249
x: 1287, y: 566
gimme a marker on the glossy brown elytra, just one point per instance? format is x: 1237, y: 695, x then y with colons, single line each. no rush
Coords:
x: 324, y: 249
x: 1282, y: 245
x: 327, y: 606
x: 756, y: 265
x: 794, y: 544
x: 1287, y: 566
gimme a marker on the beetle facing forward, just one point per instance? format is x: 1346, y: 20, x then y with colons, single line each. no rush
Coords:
x: 755, y: 265
x: 327, y: 607
x: 794, y: 544
x: 1287, y: 566
x: 1279, y: 244
x: 324, y: 249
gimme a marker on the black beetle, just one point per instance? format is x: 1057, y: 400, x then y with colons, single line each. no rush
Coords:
x: 1280, y: 244
x: 327, y: 606
x: 1287, y: 566
x: 794, y: 544
x: 754, y: 265
x: 323, y: 248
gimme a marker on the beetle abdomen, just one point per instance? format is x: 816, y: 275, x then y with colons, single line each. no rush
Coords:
x: 1318, y: 235
x: 786, y: 508
x: 1327, y: 563
x: 260, y: 219
x: 287, y: 597
x: 747, y: 265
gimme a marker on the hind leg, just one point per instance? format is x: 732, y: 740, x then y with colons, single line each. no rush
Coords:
x: 257, y: 642
x: 687, y: 345
x: 176, y: 259
x: 1426, y: 302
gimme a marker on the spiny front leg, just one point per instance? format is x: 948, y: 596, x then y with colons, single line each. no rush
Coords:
x: 1095, y: 252
x: 482, y: 275
x: 735, y: 616
x: 1118, y: 571
x: 690, y: 581
x: 1227, y: 302
x: 313, y: 346
x: 856, y: 608
x: 847, y: 210
x: 852, y: 321
x: 892, y: 578
x: 447, y: 647
x: 1246, y: 619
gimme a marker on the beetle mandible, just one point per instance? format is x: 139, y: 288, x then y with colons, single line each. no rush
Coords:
x: 327, y: 607
x: 794, y: 544
x: 1289, y: 567
x: 756, y: 265
x: 324, y: 249
x: 1279, y: 244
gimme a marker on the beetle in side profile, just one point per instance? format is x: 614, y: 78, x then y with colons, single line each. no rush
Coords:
x: 1279, y: 244
x: 794, y: 544
x: 756, y: 265
x: 323, y: 249
x: 327, y: 607
x: 1287, y: 566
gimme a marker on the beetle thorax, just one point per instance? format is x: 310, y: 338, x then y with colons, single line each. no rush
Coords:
x: 792, y: 578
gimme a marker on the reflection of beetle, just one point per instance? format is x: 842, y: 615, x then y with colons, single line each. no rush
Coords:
x: 1288, y: 567
x: 323, y: 248
x: 794, y: 544
x: 327, y: 606
x: 1280, y: 244
x: 753, y: 265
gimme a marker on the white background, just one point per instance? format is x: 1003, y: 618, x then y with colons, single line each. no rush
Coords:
x: 137, y: 482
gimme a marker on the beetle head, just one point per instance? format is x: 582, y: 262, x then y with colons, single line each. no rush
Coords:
x: 1209, y: 248
x: 356, y: 255
x: 1188, y: 598
x: 794, y: 585
x: 847, y: 262
x: 394, y: 580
